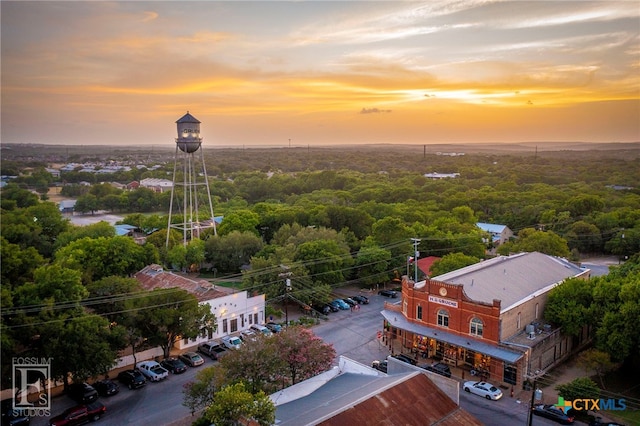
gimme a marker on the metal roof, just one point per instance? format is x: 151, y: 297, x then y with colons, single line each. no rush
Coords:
x: 512, y: 279
x: 350, y: 398
x: 396, y: 319
x: 490, y: 227
x: 188, y: 118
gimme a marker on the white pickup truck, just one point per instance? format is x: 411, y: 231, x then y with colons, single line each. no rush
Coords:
x: 231, y: 342
x: 153, y: 371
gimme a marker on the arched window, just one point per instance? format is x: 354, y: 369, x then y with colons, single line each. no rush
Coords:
x: 475, y: 328
x: 518, y: 321
x: 419, y: 312
x: 536, y: 310
x: 443, y: 318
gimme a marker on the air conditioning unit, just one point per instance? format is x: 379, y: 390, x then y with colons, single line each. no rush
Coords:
x: 531, y: 335
x: 530, y: 328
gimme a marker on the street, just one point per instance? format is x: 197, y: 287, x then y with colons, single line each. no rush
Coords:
x: 352, y: 333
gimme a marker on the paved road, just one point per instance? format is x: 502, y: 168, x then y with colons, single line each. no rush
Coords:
x: 353, y: 334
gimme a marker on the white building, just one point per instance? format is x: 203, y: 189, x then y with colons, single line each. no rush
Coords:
x: 234, y: 311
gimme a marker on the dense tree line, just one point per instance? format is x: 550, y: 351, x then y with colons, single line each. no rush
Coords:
x: 321, y: 218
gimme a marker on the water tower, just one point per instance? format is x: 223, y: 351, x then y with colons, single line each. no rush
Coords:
x: 190, y: 191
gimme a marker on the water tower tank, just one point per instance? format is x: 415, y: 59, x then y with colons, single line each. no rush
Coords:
x: 188, y: 139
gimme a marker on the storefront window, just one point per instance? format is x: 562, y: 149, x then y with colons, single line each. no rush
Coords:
x: 443, y: 318
x: 510, y: 373
x: 476, y: 327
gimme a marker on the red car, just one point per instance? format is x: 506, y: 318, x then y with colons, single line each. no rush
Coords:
x: 79, y: 414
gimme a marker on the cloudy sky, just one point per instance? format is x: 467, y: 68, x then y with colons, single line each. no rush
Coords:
x: 320, y: 72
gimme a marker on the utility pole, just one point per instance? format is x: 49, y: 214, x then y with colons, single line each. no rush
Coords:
x: 416, y: 253
x: 534, y: 392
x: 287, y: 282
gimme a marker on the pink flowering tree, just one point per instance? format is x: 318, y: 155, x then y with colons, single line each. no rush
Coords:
x: 304, y: 354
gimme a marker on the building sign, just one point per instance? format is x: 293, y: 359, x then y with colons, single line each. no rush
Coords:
x: 441, y: 301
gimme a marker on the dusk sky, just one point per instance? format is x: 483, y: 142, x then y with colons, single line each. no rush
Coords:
x: 320, y: 72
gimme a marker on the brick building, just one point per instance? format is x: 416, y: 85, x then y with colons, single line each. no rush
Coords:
x: 486, y: 317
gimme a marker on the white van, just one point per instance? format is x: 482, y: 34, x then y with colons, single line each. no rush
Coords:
x: 231, y: 342
x: 261, y: 329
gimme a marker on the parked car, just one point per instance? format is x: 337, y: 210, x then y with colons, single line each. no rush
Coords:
x: 349, y: 301
x: 388, y: 293
x: 380, y: 365
x: 363, y: 300
x: 106, y: 387
x: 231, y: 342
x: 341, y: 304
x: 132, y: 378
x: 599, y: 422
x: 192, y: 359
x: 11, y: 417
x: 174, y: 365
x: 275, y: 328
x: 153, y: 371
x: 483, y: 389
x: 212, y: 349
x: 405, y: 358
x: 79, y: 414
x: 439, y: 368
x: 552, y: 412
x: 248, y: 335
x: 261, y: 329
x: 322, y: 309
x: 335, y: 307
x: 82, y: 393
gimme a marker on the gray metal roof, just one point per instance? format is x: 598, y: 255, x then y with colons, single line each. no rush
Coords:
x: 512, y: 279
x: 396, y: 319
x: 345, y: 390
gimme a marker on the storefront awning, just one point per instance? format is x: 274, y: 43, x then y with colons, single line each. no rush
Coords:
x: 396, y: 319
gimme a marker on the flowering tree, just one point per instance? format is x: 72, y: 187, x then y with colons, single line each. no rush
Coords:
x: 304, y: 354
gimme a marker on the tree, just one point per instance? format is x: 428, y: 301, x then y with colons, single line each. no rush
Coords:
x: 256, y: 365
x: 194, y: 255
x: 530, y: 240
x: 579, y: 388
x: 596, y: 361
x: 373, y: 265
x: 168, y: 315
x: 239, y: 220
x: 233, y: 405
x: 305, y: 354
x: 229, y: 252
x: 568, y: 305
x: 451, y: 262
x: 101, y: 257
x: 199, y: 394
x: 87, y: 203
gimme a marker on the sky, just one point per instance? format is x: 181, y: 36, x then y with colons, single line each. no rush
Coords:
x: 316, y: 73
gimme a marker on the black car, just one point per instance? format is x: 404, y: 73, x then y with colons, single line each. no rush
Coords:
x: 349, y: 301
x: 11, y: 417
x: 380, y: 365
x: 132, y: 378
x: 82, y: 393
x: 322, y: 309
x: 363, y: 300
x: 174, y: 365
x: 439, y: 368
x: 599, y: 422
x: 333, y: 307
x: 554, y: 413
x: 388, y: 293
x: 405, y: 358
x: 106, y: 387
